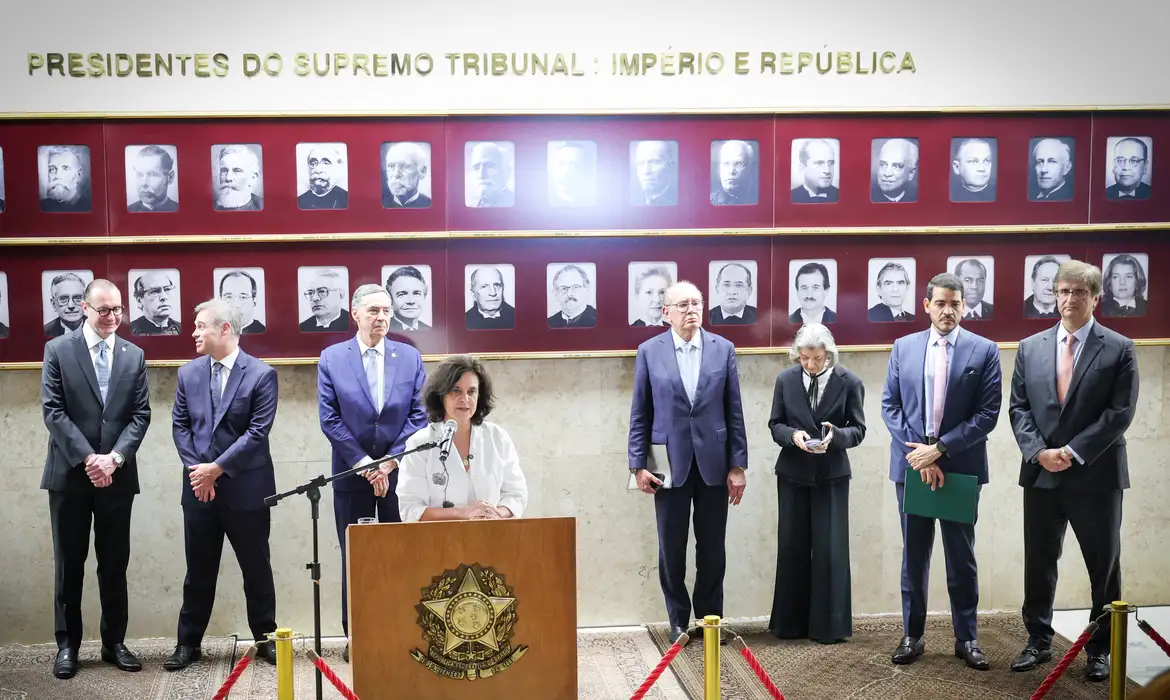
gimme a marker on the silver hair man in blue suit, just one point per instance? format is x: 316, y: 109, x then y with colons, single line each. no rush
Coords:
x: 686, y: 398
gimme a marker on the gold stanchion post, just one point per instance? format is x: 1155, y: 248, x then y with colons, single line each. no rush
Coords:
x: 1118, y: 645
x: 711, y: 630
x: 284, y: 664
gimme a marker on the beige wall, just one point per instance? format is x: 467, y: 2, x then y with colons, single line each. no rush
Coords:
x: 569, y: 420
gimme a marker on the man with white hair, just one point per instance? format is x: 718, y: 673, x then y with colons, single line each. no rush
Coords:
x: 895, y: 172
x: 490, y: 169
x: 736, y: 168
x: 1052, y: 164
x: 235, y: 174
x: 326, y: 165
x: 656, y: 169
x: 405, y: 167
x: 66, y: 181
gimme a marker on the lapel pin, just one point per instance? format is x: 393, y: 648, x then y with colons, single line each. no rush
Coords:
x: 393, y: 354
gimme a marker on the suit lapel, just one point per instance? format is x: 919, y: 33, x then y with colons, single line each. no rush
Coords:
x: 917, y: 368
x: 390, y: 365
x: 233, y: 384
x: 832, y: 391
x: 1093, y: 345
x: 199, y: 397
x: 707, y: 365
x: 669, y: 359
x: 81, y: 353
x: 117, y: 366
x: 963, y: 351
x: 1048, y: 364
x: 354, y: 356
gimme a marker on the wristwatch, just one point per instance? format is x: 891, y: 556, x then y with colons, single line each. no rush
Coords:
x: 118, y: 459
x: 941, y: 447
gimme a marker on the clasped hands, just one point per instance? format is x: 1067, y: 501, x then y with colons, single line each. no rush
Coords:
x: 922, y: 458
x: 1055, y: 460
x: 203, y: 478
x: 100, y: 469
x: 379, y: 477
x: 482, y: 510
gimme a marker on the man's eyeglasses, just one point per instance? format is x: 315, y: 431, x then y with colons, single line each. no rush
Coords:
x: 322, y: 292
x: 64, y: 299
x: 104, y: 312
x: 685, y: 306
x: 236, y: 297
x: 1131, y: 162
x: 574, y: 289
x: 159, y: 291
x: 1077, y: 293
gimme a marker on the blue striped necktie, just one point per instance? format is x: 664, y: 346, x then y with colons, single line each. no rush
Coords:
x: 216, y: 385
x: 102, y: 367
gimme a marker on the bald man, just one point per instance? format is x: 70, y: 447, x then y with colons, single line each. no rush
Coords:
x: 818, y: 161
x: 404, y: 167
x: 1052, y: 164
x: 655, y: 174
x: 736, y: 171
x: 326, y: 165
x: 489, y: 168
x: 895, y: 173
x: 1130, y: 163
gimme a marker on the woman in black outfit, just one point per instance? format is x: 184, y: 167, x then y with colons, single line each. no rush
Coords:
x: 815, y: 397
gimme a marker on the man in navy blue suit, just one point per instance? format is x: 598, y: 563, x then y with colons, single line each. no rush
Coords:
x: 940, y: 402
x: 686, y: 397
x: 369, y: 401
x: 225, y: 404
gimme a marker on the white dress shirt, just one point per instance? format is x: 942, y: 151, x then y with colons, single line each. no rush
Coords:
x: 690, y: 358
x: 932, y: 350
x: 822, y: 380
x: 91, y: 341
x: 494, y: 477
x: 228, y: 363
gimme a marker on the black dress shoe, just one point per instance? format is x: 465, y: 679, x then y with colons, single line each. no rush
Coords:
x: 345, y: 654
x: 267, y: 650
x: 675, y: 633
x: 909, y: 650
x: 1097, y: 668
x: 1030, y: 658
x: 972, y: 654
x: 834, y: 640
x: 121, y: 657
x: 182, y: 657
x: 66, y: 664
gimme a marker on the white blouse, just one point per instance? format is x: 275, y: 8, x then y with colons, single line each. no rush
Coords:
x: 495, y: 475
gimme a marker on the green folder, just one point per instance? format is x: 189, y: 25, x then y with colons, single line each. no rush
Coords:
x: 956, y: 500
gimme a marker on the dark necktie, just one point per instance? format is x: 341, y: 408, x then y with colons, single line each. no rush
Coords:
x: 812, y: 392
x: 216, y: 386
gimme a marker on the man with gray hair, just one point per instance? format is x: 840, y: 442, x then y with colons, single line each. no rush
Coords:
x: 326, y: 294
x: 67, y: 181
x: 488, y: 308
x: 225, y: 404
x: 736, y: 170
x: 1052, y: 165
x: 66, y: 294
x: 405, y: 167
x: 369, y: 401
x: 154, y: 172
x: 895, y: 176
x: 235, y: 174
x: 571, y: 288
x: 326, y: 167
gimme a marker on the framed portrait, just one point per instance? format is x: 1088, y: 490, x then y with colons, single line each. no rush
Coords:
x: 812, y: 291
x: 1129, y: 168
x: 406, y: 175
x: 732, y: 297
x: 62, y: 292
x: 891, y: 296
x: 243, y: 288
x: 64, y: 179
x: 735, y: 173
x: 571, y: 296
x: 322, y: 176
x: 654, y: 171
x: 1039, y: 285
x: 648, y: 282
x: 977, y: 273
x: 323, y: 302
x: 815, y: 177
x: 1052, y: 168
x: 155, y: 307
x: 572, y: 173
x: 893, y: 170
x: 974, y: 168
x: 1, y: 180
x: 409, y: 287
x: 490, y: 299
x: 489, y: 174
x: 1125, y: 284
x: 152, y: 179
x: 5, y: 319
x: 237, y: 177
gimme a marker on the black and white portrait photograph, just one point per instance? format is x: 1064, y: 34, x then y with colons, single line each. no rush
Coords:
x: 974, y: 162
x: 654, y: 173
x: 977, y: 273
x: 490, y: 300
x: 152, y: 179
x: 1, y: 180
x: 323, y: 305
x: 735, y: 173
x: 572, y: 173
x: 409, y: 287
x: 62, y: 292
x: 572, y: 294
x: 237, y: 177
x: 892, y: 295
x: 65, y: 181
x: 1051, y: 173
x: 1129, y: 167
x: 154, y: 305
x: 322, y: 176
x: 1125, y: 284
x: 648, y: 282
x: 731, y: 292
x: 5, y: 321
x: 489, y: 173
x: 243, y: 289
x: 815, y: 177
x: 406, y: 175
x: 1040, y: 285
x: 893, y: 171
x: 812, y: 291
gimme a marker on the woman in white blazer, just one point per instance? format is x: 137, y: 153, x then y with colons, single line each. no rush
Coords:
x: 480, y: 479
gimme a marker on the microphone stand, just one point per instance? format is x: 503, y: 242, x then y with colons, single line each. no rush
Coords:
x: 312, y: 489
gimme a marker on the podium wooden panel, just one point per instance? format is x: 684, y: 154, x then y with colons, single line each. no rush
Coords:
x: 390, y: 566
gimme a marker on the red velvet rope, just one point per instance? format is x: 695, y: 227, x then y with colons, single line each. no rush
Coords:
x: 329, y: 674
x: 658, y: 670
x: 1064, y: 663
x: 760, y: 673
x: 235, y: 674
x: 1153, y: 634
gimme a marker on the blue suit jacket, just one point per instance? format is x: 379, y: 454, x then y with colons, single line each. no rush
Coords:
x: 712, y: 431
x: 970, y: 413
x: 348, y: 417
x: 235, y: 437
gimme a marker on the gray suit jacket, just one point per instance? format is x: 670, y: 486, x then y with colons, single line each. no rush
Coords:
x: 1097, y: 411
x: 79, y: 425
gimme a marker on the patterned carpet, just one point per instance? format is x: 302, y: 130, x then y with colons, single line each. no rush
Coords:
x: 861, y: 668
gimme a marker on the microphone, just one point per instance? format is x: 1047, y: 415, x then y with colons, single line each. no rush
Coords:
x: 448, y: 436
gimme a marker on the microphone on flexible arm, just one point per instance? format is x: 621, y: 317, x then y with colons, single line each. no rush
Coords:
x: 449, y: 429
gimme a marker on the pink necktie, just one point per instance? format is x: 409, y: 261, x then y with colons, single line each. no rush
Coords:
x: 939, y: 394
x: 1064, y: 372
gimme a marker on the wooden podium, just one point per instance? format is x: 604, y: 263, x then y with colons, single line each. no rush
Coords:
x: 433, y: 603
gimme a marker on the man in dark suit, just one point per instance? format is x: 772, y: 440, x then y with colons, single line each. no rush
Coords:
x: 66, y: 293
x: 406, y: 166
x: 325, y: 165
x: 156, y: 295
x: 940, y: 402
x: 326, y: 294
x: 1131, y: 160
x: 154, y: 173
x: 570, y: 286
x: 893, y: 283
x: 370, y: 402
x: 408, y: 295
x: 895, y: 172
x: 734, y: 284
x: 819, y: 163
x: 973, y: 274
x: 488, y: 308
x: 1073, y: 395
x: 656, y: 174
x: 225, y: 403
x: 239, y: 289
x: 96, y: 405
x: 686, y: 397
x: 812, y: 285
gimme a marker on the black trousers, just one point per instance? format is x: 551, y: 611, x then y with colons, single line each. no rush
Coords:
x: 1095, y: 517
x: 72, y: 513
x: 204, y: 530
x: 813, y: 588
x: 672, y: 508
x: 348, y: 506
